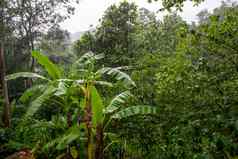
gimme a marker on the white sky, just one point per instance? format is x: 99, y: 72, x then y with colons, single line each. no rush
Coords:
x: 88, y: 12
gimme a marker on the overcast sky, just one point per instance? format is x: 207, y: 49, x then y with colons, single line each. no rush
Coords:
x: 88, y: 12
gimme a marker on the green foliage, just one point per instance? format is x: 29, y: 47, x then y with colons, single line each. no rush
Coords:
x: 114, y: 36
x: 178, y: 4
x: 62, y: 141
x: 134, y: 110
x: 85, y: 44
x: 97, y: 107
x: 37, y: 103
x: 117, y: 101
x: 55, y: 41
x: 53, y: 71
x: 119, y: 75
x: 24, y: 75
x: 183, y: 77
x: 31, y: 92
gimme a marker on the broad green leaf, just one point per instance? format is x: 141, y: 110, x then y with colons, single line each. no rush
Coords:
x: 31, y: 92
x: 61, y: 89
x: 97, y: 107
x: 62, y: 141
x: 119, y: 75
x: 134, y: 110
x: 52, y: 69
x: 37, y: 103
x: 99, y: 56
x: 104, y: 83
x: 86, y: 59
x: 89, y: 57
x: 24, y: 75
x: 117, y: 102
x: 72, y: 134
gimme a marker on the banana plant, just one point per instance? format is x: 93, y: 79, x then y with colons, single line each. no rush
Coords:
x: 85, y: 76
x: 90, y: 77
x: 116, y: 110
x: 97, y: 115
x: 53, y: 85
x: 49, y: 86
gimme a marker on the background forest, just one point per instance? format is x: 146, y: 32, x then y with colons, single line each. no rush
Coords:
x: 135, y: 87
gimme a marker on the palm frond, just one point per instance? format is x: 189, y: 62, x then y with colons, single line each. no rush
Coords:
x: 134, y: 110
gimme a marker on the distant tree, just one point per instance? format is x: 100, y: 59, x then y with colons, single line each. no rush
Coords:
x: 178, y: 4
x: 33, y: 17
x: 85, y: 44
x: 157, y: 41
x: 55, y: 41
x: 197, y: 90
x: 114, y: 36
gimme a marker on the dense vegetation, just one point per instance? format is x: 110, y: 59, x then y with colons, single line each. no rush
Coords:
x: 135, y: 87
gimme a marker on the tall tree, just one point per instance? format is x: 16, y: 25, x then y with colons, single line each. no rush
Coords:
x: 115, y: 34
x: 55, y: 41
x: 197, y: 87
x: 85, y: 44
x: 32, y: 17
x: 3, y: 84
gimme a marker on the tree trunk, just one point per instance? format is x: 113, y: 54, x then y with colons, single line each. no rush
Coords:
x: 32, y: 62
x: 32, y: 48
x: 6, y: 111
x: 99, y: 142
